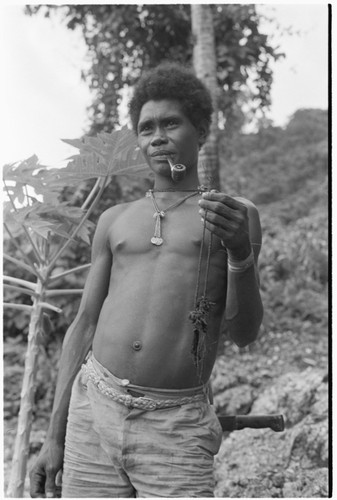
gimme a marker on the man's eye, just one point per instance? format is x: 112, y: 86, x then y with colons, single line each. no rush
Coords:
x: 172, y: 123
x: 145, y: 129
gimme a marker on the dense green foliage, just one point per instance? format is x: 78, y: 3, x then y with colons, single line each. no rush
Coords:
x: 123, y: 40
x: 275, y: 162
x: 285, y: 172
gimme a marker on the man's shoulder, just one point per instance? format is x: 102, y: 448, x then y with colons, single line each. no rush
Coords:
x: 110, y: 214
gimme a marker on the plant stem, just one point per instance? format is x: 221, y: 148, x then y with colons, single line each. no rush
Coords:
x: 51, y: 307
x: 22, y: 307
x: 69, y: 271
x: 79, y: 226
x: 35, y: 250
x: 18, y: 263
x: 67, y: 291
x: 17, y: 246
x: 19, y: 289
x: 18, y: 281
x: 21, y: 446
x: 91, y: 194
x: 27, y: 195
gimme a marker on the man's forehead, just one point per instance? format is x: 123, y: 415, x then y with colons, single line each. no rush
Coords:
x: 154, y: 109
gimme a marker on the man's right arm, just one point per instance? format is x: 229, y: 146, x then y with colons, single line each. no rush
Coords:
x: 76, y: 345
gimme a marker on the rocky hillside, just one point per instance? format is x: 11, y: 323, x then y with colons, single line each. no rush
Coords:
x: 277, y: 376
x: 286, y: 370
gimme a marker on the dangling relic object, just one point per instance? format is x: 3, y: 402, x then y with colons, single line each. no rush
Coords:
x: 202, y: 307
x: 160, y: 214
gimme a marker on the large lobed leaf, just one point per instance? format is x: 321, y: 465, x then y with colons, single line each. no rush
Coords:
x: 34, y: 189
x: 105, y: 155
x: 18, y: 176
x: 46, y: 218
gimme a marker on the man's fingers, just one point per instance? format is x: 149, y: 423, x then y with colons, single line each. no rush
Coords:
x: 50, y: 483
x: 217, y: 230
x: 222, y: 216
x: 224, y: 198
x: 37, y: 482
x: 223, y: 208
x: 58, y: 478
x: 58, y: 483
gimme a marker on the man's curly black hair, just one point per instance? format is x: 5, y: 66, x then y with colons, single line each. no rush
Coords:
x: 172, y: 81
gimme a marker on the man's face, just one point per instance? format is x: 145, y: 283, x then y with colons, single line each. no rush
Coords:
x: 164, y: 131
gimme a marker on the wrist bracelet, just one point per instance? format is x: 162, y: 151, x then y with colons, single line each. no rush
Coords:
x: 239, y: 266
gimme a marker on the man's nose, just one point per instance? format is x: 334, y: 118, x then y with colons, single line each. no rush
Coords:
x: 159, y: 137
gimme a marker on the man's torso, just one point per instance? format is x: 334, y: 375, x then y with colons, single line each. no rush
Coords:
x: 144, y: 333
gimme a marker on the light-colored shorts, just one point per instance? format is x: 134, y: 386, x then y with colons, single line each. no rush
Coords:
x: 114, y: 449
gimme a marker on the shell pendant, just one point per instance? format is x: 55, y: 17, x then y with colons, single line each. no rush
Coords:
x: 155, y: 240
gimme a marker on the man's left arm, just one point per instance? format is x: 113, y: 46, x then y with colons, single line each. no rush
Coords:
x: 236, y: 222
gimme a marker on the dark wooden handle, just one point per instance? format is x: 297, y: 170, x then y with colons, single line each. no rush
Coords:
x: 237, y: 422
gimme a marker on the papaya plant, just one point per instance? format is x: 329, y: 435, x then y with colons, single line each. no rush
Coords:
x: 33, y: 209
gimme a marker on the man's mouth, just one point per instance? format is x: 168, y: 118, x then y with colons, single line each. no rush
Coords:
x: 163, y: 154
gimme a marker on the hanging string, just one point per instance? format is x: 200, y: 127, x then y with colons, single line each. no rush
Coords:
x: 202, y: 306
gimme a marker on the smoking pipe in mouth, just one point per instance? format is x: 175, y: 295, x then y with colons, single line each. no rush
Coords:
x: 178, y: 171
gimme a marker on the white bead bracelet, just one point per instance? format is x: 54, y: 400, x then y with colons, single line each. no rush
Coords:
x: 240, y: 266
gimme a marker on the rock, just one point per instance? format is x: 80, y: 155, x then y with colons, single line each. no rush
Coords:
x: 308, y: 484
x: 223, y: 378
x: 252, y: 457
x: 308, y: 443
x: 234, y: 400
x: 255, y: 463
x: 278, y: 480
x: 293, y: 395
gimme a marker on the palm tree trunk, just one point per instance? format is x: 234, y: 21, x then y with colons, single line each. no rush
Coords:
x: 204, y: 61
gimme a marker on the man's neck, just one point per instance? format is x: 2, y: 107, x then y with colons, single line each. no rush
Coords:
x: 189, y: 183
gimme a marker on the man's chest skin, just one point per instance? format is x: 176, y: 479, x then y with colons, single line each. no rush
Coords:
x: 153, y: 289
x: 181, y: 231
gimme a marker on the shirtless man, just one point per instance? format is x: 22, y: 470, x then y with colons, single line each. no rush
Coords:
x: 135, y: 420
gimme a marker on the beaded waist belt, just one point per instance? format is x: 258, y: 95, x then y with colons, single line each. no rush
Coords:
x: 141, y: 402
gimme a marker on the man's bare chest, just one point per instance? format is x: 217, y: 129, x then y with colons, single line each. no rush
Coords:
x: 145, y: 230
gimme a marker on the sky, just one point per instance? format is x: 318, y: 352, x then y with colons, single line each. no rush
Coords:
x: 44, y: 100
